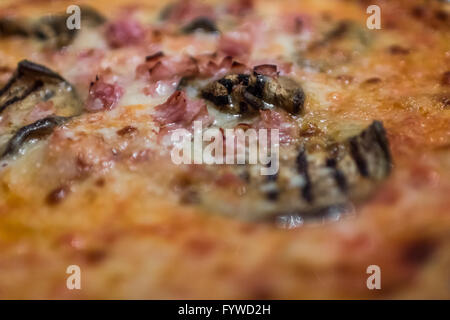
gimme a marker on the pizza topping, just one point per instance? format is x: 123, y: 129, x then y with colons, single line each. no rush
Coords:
x: 201, y: 23
x: 186, y: 11
x: 124, y: 33
x: 52, y: 29
x: 37, y: 129
x: 235, y: 93
x: 166, y: 72
x: 163, y: 71
x: 34, y: 101
x: 364, y: 155
x: 269, y: 70
x: 214, y: 66
x: 41, y: 110
x: 179, y: 111
x: 32, y: 80
x: 236, y: 44
x: 103, y: 96
x: 278, y: 119
x: 160, y: 67
x: 316, y: 176
x: 240, y: 7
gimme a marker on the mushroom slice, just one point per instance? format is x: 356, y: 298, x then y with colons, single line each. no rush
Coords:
x: 204, y: 24
x: 36, y: 129
x: 50, y: 29
x: 241, y: 93
x: 315, y: 177
x: 33, y: 92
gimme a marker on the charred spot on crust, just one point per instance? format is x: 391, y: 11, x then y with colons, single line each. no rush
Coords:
x: 127, y: 131
x: 445, y: 80
x: 57, y: 195
x: 418, y: 252
x: 204, y: 24
x: 94, y: 256
x: 398, y: 50
x: 373, y: 80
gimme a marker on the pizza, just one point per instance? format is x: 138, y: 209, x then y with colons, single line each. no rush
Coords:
x: 343, y: 108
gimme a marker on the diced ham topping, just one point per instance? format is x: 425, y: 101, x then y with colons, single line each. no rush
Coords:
x: 266, y: 70
x: 236, y: 44
x: 267, y: 66
x: 163, y: 71
x: 179, y: 111
x: 271, y: 119
x: 124, y: 33
x: 240, y: 7
x: 103, y: 96
x: 159, y: 67
x: 212, y: 66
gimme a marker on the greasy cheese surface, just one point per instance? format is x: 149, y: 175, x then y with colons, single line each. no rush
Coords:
x: 122, y: 225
